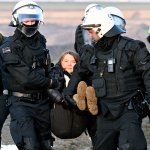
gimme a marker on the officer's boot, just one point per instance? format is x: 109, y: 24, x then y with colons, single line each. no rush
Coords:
x: 46, y: 145
x: 91, y: 100
x: 80, y: 96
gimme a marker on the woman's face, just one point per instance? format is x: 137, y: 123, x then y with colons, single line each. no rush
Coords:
x: 68, y: 63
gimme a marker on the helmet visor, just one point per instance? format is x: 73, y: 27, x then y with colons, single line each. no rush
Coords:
x: 115, y: 30
x: 119, y: 22
x: 28, y: 17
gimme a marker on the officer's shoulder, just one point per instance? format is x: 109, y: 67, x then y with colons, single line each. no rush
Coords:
x: 42, y: 37
x: 6, y: 42
x: 132, y: 44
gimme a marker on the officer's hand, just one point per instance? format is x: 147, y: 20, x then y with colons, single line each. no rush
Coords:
x: 79, y: 41
x: 54, y: 95
x: 69, y: 101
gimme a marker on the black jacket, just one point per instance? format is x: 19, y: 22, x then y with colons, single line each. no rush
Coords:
x: 23, y: 62
x: 131, y: 70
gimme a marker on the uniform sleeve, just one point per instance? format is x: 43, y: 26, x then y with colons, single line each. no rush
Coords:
x: 79, y: 41
x: 20, y: 71
x: 142, y: 63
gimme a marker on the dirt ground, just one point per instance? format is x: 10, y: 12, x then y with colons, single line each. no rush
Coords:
x: 59, y: 28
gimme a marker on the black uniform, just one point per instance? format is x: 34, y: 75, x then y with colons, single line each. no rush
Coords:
x: 25, y: 75
x: 119, y: 67
x: 82, y: 43
x: 3, y: 109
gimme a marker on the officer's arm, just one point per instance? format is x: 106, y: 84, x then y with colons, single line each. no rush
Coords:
x: 142, y: 63
x: 79, y: 41
x: 74, y: 80
x: 21, y: 72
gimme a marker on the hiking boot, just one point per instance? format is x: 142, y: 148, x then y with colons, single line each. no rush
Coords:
x: 91, y: 100
x: 80, y: 96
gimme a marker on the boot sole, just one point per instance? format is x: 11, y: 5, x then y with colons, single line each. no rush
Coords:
x: 91, y: 100
x: 80, y: 96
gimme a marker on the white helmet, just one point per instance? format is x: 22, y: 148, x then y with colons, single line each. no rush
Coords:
x: 26, y: 9
x: 102, y: 23
x: 91, y: 7
x: 118, y: 16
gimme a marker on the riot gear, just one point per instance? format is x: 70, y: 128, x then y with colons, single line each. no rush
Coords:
x: 118, y: 16
x: 90, y: 8
x: 26, y: 65
x: 102, y: 23
x: 27, y: 10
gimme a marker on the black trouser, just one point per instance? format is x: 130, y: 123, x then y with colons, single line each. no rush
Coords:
x: 92, y: 126
x: 30, y: 123
x: 125, y: 133
x: 3, y: 112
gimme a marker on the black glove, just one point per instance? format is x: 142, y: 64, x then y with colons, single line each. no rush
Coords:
x: 79, y: 41
x: 54, y: 95
x: 69, y: 101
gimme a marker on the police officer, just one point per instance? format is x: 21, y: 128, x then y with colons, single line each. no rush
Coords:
x: 119, y: 67
x: 81, y: 35
x: 84, y: 42
x: 82, y: 39
x: 3, y: 109
x: 25, y: 71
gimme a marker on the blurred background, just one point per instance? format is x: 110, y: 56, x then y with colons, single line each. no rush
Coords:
x: 61, y: 18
